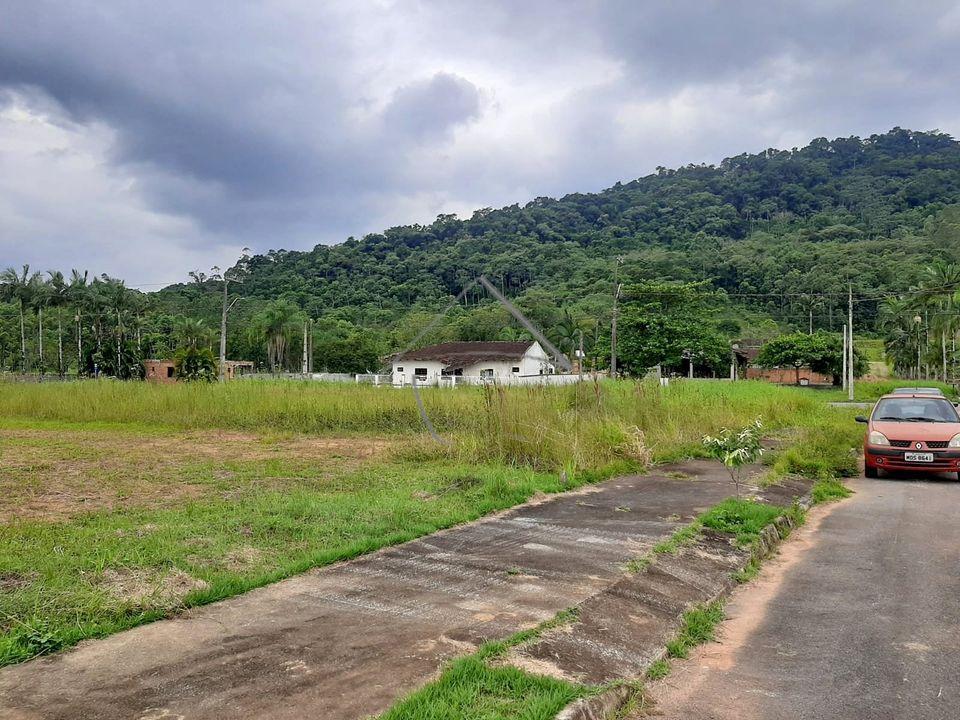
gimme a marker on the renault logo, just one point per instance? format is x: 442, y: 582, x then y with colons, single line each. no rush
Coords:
x: 919, y: 445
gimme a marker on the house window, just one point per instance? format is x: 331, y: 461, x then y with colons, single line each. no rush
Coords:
x: 486, y: 373
x: 516, y: 369
x: 420, y: 372
x: 170, y: 371
x: 399, y: 369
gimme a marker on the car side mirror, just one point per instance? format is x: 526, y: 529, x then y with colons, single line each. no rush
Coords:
x: 861, y: 419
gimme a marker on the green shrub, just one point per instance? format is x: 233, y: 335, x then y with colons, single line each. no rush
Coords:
x: 195, y: 364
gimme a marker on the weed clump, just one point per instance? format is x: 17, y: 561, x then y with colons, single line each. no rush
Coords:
x: 743, y: 518
x: 697, y: 628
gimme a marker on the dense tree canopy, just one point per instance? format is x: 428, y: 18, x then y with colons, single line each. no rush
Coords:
x: 667, y: 324
x: 782, y: 233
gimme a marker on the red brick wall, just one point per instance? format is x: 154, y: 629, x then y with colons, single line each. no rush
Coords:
x: 158, y: 371
x: 788, y: 376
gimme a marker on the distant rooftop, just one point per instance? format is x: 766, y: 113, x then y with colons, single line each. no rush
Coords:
x: 463, y: 354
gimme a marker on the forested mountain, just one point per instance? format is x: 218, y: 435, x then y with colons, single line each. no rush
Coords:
x: 781, y: 233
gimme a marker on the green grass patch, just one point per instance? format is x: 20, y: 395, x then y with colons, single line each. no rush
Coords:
x: 658, y: 670
x: 697, y: 628
x: 829, y: 490
x: 823, y: 445
x: 743, y: 518
x: 473, y: 687
x: 748, y: 572
x: 472, y: 690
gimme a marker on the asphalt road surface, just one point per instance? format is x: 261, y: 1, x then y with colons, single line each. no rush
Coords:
x: 859, y: 617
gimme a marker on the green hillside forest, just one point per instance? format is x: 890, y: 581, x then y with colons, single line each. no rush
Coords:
x: 753, y: 247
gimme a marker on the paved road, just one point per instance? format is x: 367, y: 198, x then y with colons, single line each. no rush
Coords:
x: 859, y: 618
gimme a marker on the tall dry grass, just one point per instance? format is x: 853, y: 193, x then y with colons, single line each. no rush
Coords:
x: 589, y: 425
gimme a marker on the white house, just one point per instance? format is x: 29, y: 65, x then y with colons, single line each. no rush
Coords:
x: 468, y: 362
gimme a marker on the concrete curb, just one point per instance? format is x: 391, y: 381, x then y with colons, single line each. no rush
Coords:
x: 608, y: 704
x: 598, y: 707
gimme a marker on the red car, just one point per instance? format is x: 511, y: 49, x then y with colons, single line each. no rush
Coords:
x: 914, y: 433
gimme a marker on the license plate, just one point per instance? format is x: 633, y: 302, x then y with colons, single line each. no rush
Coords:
x: 918, y: 457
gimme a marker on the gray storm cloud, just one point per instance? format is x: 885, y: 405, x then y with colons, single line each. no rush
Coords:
x: 204, y: 128
x: 430, y: 109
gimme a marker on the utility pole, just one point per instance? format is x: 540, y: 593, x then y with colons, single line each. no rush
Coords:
x: 613, y: 326
x: 850, y: 363
x: 305, y: 365
x: 845, y: 378
x: 581, y: 358
x: 223, y: 327
x: 310, y: 348
x: 237, y: 277
x: 223, y: 331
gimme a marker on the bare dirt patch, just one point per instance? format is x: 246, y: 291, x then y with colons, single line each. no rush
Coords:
x: 150, y: 588
x: 53, y: 474
x: 243, y: 558
x: 10, y: 581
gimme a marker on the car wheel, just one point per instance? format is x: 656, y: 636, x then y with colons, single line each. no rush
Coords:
x: 871, y: 472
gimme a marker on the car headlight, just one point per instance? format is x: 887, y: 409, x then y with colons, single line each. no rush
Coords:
x: 955, y: 441
x: 878, y: 438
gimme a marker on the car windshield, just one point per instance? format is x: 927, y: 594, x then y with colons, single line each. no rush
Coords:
x: 916, y: 409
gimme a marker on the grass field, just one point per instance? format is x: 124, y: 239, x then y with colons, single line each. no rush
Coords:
x: 124, y: 502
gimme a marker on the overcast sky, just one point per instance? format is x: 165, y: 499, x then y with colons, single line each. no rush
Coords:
x: 148, y: 139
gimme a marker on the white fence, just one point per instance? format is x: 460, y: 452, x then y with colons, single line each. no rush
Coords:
x: 455, y: 380
x: 445, y: 381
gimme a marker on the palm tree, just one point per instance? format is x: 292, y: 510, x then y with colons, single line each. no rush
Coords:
x: 39, y: 299
x: 58, y: 298
x: 97, y: 308
x: 937, y: 292
x: 19, y: 287
x: 118, y: 298
x: 566, y: 331
x: 79, y: 294
x: 902, y: 335
x: 139, y: 304
x: 276, y: 324
x: 191, y: 333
